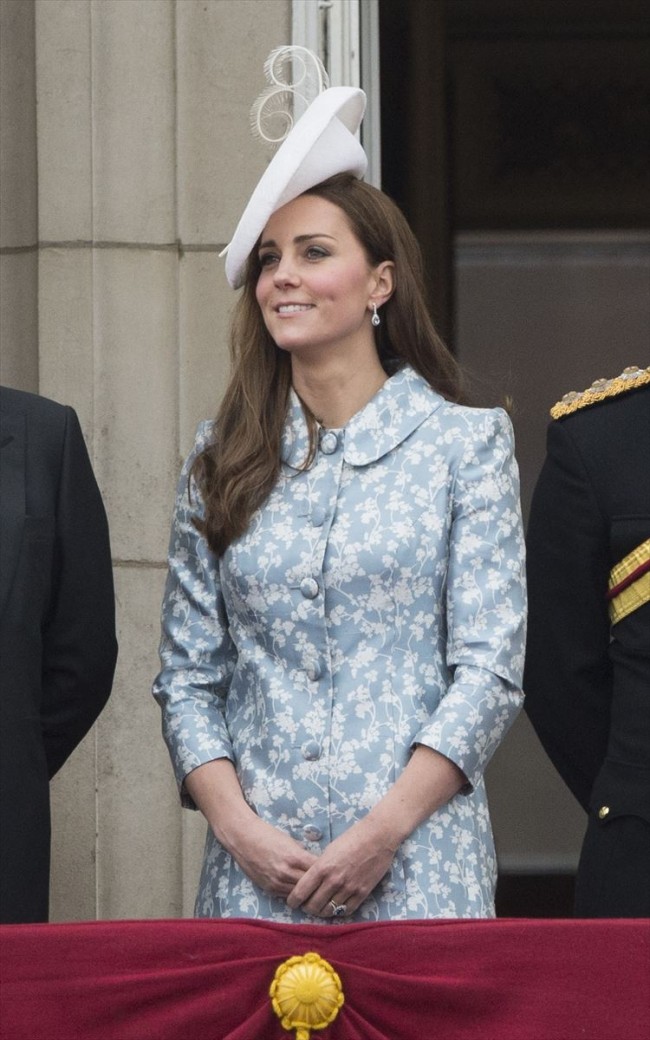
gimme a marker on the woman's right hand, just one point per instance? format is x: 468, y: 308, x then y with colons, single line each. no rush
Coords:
x: 269, y: 857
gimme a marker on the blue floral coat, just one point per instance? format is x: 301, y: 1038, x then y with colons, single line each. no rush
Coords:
x: 375, y: 602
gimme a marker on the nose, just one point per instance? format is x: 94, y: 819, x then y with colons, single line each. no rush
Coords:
x: 285, y: 272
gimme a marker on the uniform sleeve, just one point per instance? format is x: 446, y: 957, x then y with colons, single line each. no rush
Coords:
x: 79, y: 644
x: 196, y: 652
x: 486, y: 602
x: 568, y: 678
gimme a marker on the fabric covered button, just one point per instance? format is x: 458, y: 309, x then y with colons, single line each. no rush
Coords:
x: 318, y: 516
x: 314, y: 672
x: 329, y: 442
x: 311, y: 833
x: 309, y: 588
x: 311, y: 750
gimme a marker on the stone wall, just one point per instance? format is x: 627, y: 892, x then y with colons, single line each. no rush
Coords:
x: 126, y: 161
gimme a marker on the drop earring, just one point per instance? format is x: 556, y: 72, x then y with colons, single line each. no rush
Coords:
x: 376, y: 320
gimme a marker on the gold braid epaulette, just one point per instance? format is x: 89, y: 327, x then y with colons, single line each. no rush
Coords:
x: 600, y: 390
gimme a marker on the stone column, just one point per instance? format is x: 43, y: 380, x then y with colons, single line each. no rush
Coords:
x: 18, y: 197
x: 144, y: 162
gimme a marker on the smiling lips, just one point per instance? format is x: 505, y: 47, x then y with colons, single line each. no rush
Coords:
x: 293, y: 308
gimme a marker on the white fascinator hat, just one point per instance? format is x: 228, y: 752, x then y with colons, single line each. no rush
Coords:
x: 315, y: 146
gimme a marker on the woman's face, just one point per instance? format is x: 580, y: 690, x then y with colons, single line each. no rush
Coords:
x: 316, y: 284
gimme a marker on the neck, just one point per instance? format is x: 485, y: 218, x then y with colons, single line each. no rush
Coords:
x: 335, y: 391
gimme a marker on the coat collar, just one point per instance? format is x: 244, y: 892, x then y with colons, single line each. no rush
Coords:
x: 397, y: 409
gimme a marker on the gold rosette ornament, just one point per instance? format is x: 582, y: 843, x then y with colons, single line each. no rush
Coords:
x: 306, y: 994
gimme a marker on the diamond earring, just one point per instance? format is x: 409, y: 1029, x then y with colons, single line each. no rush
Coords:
x: 376, y: 320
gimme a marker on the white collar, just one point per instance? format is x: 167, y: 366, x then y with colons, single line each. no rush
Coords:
x: 397, y: 409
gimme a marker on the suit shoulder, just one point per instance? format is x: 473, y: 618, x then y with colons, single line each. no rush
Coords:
x: 32, y: 406
x: 602, y: 391
x: 46, y: 421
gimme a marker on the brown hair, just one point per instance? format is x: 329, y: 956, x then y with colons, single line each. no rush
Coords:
x: 237, y: 472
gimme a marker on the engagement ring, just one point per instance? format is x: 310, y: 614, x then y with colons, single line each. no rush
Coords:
x: 338, y: 910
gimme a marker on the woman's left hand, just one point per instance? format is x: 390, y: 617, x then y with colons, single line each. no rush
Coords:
x: 346, y: 873
x: 355, y: 862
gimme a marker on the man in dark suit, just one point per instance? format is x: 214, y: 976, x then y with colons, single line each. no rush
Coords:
x: 57, y: 629
x: 587, y: 677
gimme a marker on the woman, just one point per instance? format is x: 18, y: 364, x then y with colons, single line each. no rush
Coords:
x: 343, y: 619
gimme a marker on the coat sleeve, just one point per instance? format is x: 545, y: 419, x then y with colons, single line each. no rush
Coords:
x: 486, y: 601
x: 197, y: 654
x: 79, y: 645
x: 568, y: 677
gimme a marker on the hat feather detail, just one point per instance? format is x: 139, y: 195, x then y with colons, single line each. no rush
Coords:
x: 296, y: 77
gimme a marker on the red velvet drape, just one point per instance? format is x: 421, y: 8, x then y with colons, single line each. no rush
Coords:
x: 209, y: 980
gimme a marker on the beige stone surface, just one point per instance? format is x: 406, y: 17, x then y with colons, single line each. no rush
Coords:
x: 18, y: 197
x: 136, y: 378
x: 19, y: 320
x: 222, y: 47
x: 194, y: 829
x: 143, y: 139
x: 205, y: 304
x: 538, y: 825
x: 65, y: 332
x: 63, y: 66
x: 139, y: 867
x: 134, y: 121
x: 18, y: 191
x: 73, y: 880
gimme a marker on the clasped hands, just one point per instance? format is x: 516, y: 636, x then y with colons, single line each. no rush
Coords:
x: 344, y: 875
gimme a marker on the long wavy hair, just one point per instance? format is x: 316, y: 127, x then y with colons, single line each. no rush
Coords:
x: 239, y: 468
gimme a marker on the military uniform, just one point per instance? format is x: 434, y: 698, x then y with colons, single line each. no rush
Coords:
x: 587, y: 676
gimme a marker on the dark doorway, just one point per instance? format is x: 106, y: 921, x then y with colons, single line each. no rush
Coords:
x: 516, y: 138
x: 509, y: 115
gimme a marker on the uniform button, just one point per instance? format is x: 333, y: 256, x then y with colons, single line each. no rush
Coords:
x: 318, y: 516
x: 311, y: 750
x: 603, y: 812
x: 329, y: 442
x: 312, y: 833
x: 314, y: 671
x: 309, y: 588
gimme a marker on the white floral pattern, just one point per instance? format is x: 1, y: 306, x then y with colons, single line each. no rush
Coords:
x: 376, y: 601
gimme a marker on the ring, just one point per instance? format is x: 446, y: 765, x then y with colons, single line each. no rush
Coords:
x: 338, y: 910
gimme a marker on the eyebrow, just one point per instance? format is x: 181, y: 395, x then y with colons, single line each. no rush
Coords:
x: 298, y: 239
